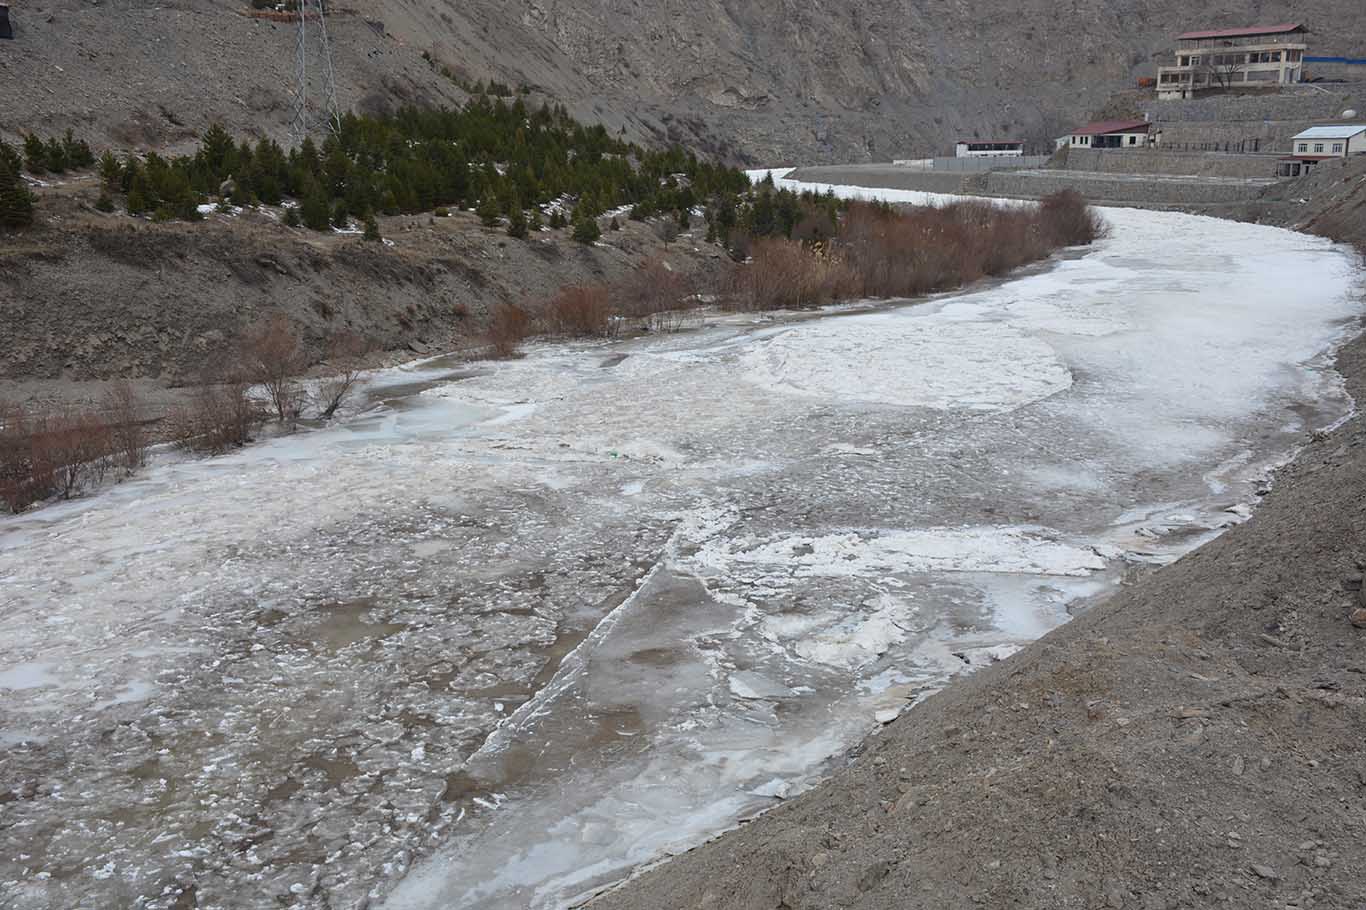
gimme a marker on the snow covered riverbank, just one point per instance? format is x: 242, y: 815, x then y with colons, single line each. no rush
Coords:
x: 571, y: 612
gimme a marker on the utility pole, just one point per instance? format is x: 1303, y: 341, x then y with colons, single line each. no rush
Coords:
x: 311, y: 45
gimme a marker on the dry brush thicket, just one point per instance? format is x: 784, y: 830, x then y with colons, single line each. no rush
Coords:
x: 46, y: 455
x: 870, y: 251
x: 60, y: 454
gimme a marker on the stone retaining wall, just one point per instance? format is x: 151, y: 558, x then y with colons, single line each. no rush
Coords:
x: 1103, y: 188
x: 1162, y: 162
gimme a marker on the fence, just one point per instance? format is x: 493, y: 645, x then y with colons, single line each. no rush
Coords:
x: 973, y: 165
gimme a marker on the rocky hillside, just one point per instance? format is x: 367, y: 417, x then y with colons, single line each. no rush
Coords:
x: 843, y: 81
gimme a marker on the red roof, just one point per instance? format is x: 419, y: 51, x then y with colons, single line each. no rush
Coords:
x: 1105, y: 127
x: 1243, y: 32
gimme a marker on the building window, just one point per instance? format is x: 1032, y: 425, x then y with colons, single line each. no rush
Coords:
x: 1337, y: 148
x: 1133, y: 140
x: 1318, y: 148
x: 1304, y: 147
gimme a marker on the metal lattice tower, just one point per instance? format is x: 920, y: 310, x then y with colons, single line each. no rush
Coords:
x: 314, y: 106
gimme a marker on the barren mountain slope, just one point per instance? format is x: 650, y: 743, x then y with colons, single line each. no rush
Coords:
x: 849, y: 80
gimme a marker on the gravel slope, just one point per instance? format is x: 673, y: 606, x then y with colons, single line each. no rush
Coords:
x: 1194, y: 741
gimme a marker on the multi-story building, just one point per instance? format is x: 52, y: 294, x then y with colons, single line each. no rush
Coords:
x: 1234, y: 58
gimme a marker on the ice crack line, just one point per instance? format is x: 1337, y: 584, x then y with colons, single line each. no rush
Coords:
x: 576, y: 661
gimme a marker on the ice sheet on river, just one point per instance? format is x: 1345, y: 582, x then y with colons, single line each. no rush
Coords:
x: 553, y: 617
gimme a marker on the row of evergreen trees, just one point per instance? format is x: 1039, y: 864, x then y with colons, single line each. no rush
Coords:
x: 500, y: 158
x: 503, y: 159
x: 56, y: 155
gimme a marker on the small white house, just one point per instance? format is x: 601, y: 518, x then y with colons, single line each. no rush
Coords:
x: 1322, y: 143
x: 988, y: 148
x: 1110, y: 134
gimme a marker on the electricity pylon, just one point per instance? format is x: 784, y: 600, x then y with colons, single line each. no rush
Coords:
x: 313, y: 108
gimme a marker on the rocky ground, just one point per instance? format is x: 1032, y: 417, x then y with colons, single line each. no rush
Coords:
x: 855, y: 80
x: 1194, y: 741
x: 88, y: 297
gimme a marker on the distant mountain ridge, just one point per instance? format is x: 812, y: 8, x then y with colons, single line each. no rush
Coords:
x: 771, y: 82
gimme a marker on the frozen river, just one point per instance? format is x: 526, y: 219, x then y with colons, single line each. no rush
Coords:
x: 542, y: 620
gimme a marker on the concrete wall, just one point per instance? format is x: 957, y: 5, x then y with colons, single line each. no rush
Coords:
x: 1153, y: 191
x: 1248, y: 123
x: 1158, y: 161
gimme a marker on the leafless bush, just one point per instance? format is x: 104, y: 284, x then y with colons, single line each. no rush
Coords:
x: 127, y: 429
x: 220, y: 415
x: 509, y: 326
x: 581, y: 310
x: 273, y: 358
x: 78, y: 447
x: 667, y: 230
x: 26, y: 476
x: 786, y: 274
x: 658, y: 294
x: 1069, y: 221
x: 346, y: 359
x: 877, y: 251
x: 53, y: 454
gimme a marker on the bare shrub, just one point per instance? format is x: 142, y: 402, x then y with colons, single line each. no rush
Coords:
x: 220, y: 415
x: 273, y: 358
x: 786, y: 274
x: 509, y: 326
x: 659, y: 295
x: 76, y: 445
x: 878, y: 251
x: 128, y: 432
x: 26, y: 476
x: 54, y: 454
x: 667, y: 230
x: 581, y: 310
x: 1069, y: 221
x: 346, y: 358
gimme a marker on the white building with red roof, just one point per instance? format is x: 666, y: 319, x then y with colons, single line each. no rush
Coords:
x: 1111, y: 134
x: 1227, y: 58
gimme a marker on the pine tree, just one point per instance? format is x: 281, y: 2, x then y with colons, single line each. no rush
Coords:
x: 56, y: 156
x: 557, y: 220
x: 614, y: 225
x: 314, y: 209
x: 517, y: 224
x: 489, y: 211
x: 371, y: 227
x: 35, y: 155
x: 78, y: 153
x: 16, y: 202
x: 586, y: 229
x: 110, y: 171
x: 292, y: 217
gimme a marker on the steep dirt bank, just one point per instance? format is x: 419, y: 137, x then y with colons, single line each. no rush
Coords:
x: 1194, y: 741
x: 89, y: 296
